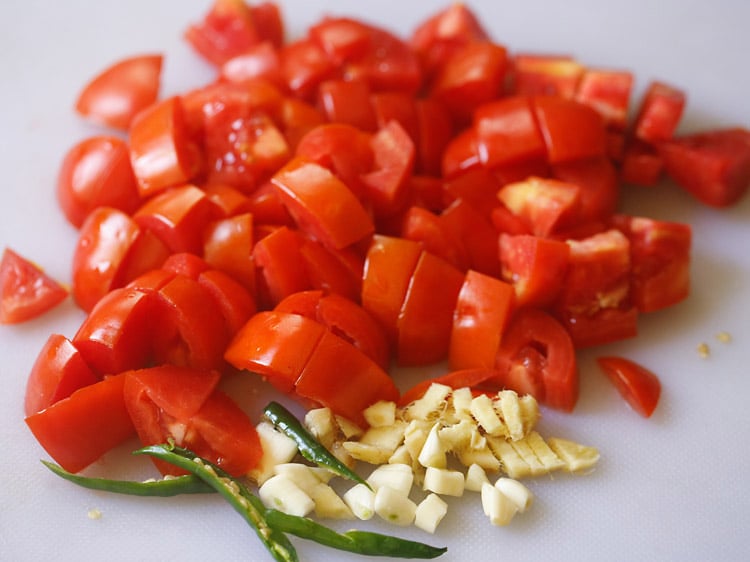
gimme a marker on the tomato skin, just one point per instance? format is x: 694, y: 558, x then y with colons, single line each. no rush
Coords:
x: 659, y: 113
x: 343, y: 378
x: 65, y: 429
x: 597, y: 183
x: 534, y: 266
x: 389, y: 265
x: 571, y: 130
x: 537, y: 355
x: 111, y: 251
x: 116, y: 95
x: 555, y: 75
x: 426, y: 316
x: 483, y: 308
x: 281, y: 271
x: 178, y: 216
x: 507, y: 132
x: 639, y: 386
x: 228, y: 246
x: 116, y: 335
x: 713, y: 166
x: 347, y: 101
x: 608, y: 91
x: 276, y: 345
x: 477, y: 235
x: 328, y: 269
x: 425, y: 227
x: 96, y: 172
x: 226, y: 30
x: 59, y: 370
x: 471, y: 76
x: 344, y: 318
x: 161, y: 151
x: 321, y: 204
x: 25, y: 290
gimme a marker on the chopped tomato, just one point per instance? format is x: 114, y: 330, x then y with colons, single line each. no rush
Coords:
x: 112, y: 250
x: 280, y: 267
x: 184, y: 405
x: 121, y: 91
x: 59, y: 370
x: 321, y: 204
x: 161, y: 151
x: 536, y: 356
x: 713, y: 166
x: 228, y: 246
x: 571, y: 130
x: 638, y: 385
x: 557, y: 75
x: 659, y: 113
x: 608, y: 91
x: 66, y: 431
x: 226, y: 30
x: 482, y: 311
x: 348, y: 102
x: 546, y: 205
x: 26, y: 291
x: 96, y: 172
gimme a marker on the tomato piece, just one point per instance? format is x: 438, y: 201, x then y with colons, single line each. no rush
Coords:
x: 599, y: 327
x: 553, y: 75
x: 641, y: 164
x: 234, y: 301
x: 231, y: 201
x: 259, y: 61
x: 659, y: 113
x: 266, y: 207
x: 304, y: 65
x: 713, y: 166
x: 178, y: 216
x: 478, y: 379
x: 269, y: 22
x: 598, y: 186
x: 507, y: 222
x: 59, y: 370
x: 395, y: 106
x: 25, y: 290
x: 65, y: 429
x: 116, y: 335
x: 534, y: 266
x: 183, y: 405
x: 162, y: 152
x: 546, y: 205
x: 426, y: 316
x: 228, y: 246
x: 389, y: 265
x: 343, y: 149
x: 321, y: 204
x: 327, y: 269
x: 607, y: 91
x: 243, y: 147
x: 348, y: 102
x: 388, y: 64
x: 342, y: 39
x: 387, y: 184
x: 226, y: 30
x: 507, y: 132
x: 277, y: 257
x: 192, y: 331
x: 116, y: 95
x: 476, y: 234
x: 339, y: 376
x: 482, y: 311
x: 343, y: 317
x: 276, y: 345
x: 435, y: 131
x: 477, y: 186
x: 571, y: 130
x: 660, y: 261
x: 598, y: 273
x: 444, y: 32
x: 461, y: 154
x: 639, y: 386
x: 537, y: 355
x: 471, y: 76
x: 96, y: 172
x: 433, y: 234
x: 112, y: 249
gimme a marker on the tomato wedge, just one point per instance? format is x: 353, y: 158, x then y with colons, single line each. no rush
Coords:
x: 121, y: 91
x: 25, y: 290
x: 639, y: 386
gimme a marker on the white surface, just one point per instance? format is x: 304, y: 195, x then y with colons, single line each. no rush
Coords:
x: 670, y: 488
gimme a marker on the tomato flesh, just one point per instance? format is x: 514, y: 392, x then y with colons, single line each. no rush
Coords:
x: 25, y: 290
x: 639, y: 386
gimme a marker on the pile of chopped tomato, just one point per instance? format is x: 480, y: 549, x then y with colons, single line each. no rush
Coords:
x: 334, y: 204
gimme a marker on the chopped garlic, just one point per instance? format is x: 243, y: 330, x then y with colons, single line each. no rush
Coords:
x: 400, y: 477
x: 394, y: 507
x: 277, y: 449
x: 444, y: 481
x: 433, y: 451
x: 280, y: 492
x: 497, y: 506
x: 577, y: 457
x: 361, y: 501
x: 475, y: 478
x: 430, y: 512
x: 328, y: 504
x: 519, y: 494
x: 380, y: 414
